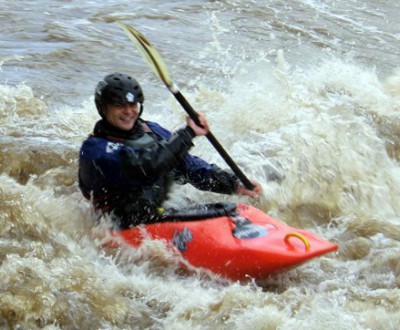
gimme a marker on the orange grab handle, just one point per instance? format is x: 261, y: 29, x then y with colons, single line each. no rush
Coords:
x: 300, y: 237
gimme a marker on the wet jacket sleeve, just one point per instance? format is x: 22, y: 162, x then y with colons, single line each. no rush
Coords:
x: 158, y: 158
x: 199, y: 173
x: 205, y: 176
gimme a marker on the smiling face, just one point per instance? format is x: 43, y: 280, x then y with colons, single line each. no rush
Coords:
x: 122, y: 116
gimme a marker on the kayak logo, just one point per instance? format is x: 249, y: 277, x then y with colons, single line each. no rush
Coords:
x: 181, y: 238
x: 245, y: 229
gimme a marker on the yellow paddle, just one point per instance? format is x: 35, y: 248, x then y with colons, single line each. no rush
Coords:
x: 156, y: 63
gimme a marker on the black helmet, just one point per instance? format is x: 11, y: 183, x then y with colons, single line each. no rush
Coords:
x: 117, y: 88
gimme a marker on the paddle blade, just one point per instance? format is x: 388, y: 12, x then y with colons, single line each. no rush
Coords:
x: 149, y: 53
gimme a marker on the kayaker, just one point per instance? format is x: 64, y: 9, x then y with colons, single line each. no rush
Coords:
x: 126, y: 167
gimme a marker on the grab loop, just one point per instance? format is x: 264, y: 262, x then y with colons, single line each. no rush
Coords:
x: 300, y: 237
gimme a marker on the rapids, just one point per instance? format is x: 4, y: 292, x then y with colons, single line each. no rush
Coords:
x: 304, y: 95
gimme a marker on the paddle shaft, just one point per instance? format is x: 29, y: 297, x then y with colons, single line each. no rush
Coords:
x: 156, y: 63
x: 193, y: 114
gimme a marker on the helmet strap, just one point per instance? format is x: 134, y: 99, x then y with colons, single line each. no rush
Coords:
x: 103, y: 110
x: 140, y: 110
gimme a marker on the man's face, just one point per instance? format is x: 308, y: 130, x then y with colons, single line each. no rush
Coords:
x: 122, y: 116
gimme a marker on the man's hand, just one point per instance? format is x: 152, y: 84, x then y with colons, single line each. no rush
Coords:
x: 199, y: 130
x: 242, y: 190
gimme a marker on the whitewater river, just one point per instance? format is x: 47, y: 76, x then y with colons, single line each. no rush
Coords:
x: 304, y: 95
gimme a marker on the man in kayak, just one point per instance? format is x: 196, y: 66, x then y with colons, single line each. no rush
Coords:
x: 126, y: 167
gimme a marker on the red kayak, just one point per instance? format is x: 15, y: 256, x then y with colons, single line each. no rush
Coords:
x: 238, y: 242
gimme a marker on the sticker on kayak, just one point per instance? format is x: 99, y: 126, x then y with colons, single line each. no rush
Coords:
x: 181, y: 238
x: 245, y: 229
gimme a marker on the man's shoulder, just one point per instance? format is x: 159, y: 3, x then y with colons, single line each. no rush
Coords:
x: 93, y: 140
x: 158, y: 129
x: 95, y: 145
